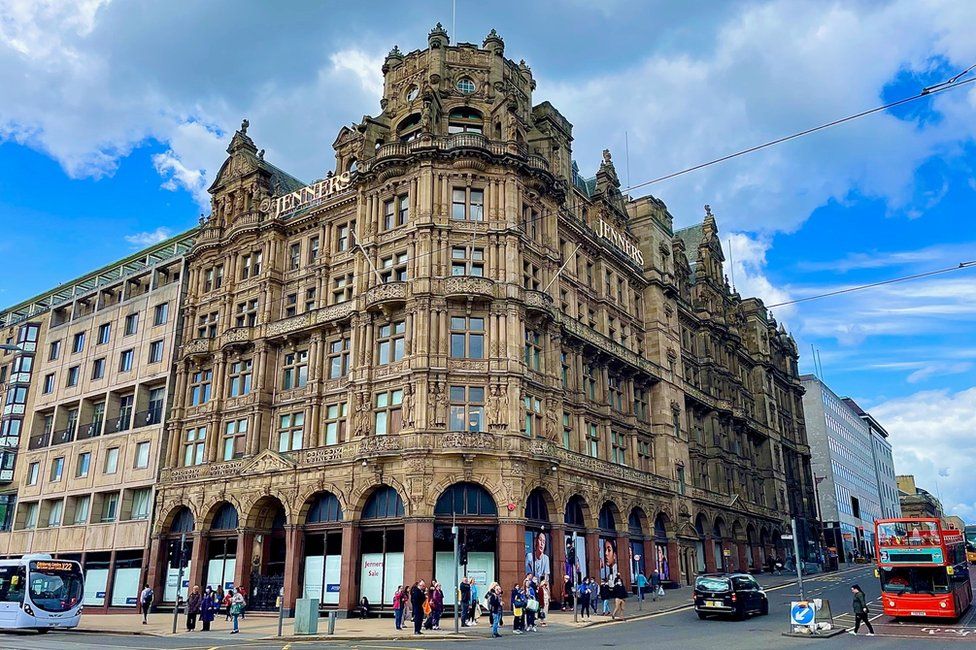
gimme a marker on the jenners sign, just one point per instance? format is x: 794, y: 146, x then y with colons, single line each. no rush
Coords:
x: 629, y: 248
x: 309, y: 195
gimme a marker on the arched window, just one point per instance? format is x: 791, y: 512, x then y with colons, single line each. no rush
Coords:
x: 465, y: 85
x: 634, y: 527
x: 700, y: 526
x: 226, y: 518
x: 409, y: 128
x: 412, y: 92
x: 607, y: 521
x: 535, y: 507
x: 574, y: 512
x: 325, y: 509
x: 182, y: 522
x: 383, y: 503
x: 465, y: 120
x: 468, y: 499
x: 661, y: 528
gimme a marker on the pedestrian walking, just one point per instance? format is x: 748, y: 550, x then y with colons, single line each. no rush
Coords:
x: 399, y: 602
x: 436, y: 598
x: 619, y: 593
x: 464, y: 591
x: 208, y: 608
x: 605, y: 597
x: 237, y: 605
x: 226, y: 602
x: 495, y: 608
x: 860, y: 606
x: 145, y: 602
x: 475, y: 606
x: 417, y: 598
x: 584, y: 598
x: 531, y: 604
x: 568, y: 594
x: 545, y: 599
x: 518, y: 609
x: 193, y: 608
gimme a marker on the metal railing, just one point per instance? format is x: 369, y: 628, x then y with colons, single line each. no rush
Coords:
x: 39, y: 441
x: 63, y: 436
x: 90, y: 430
x: 149, y: 417
x: 121, y: 423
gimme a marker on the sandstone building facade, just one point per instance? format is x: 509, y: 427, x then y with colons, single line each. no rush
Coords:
x: 454, y: 325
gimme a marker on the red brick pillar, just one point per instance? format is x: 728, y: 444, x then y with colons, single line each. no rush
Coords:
x: 650, y: 557
x: 741, y: 553
x: 156, y: 566
x: 674, y: 561
x: 625, y: 563
x: 294, y: 550
x: 557, y: 582
x: 349, y: 568
x: 418, y: 550
x: 711, y: 564
x: 593, y: 554
x: 198, y: 562
x: 757, y: 562
x: 511, y: 555
x: 242, y: 568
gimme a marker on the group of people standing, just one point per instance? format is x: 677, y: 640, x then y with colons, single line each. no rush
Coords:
x: 205, y: 605
x: 529, y: 602
x: 595, y: 597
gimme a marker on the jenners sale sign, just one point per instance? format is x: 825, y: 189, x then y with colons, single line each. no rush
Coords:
x: 617, y: 238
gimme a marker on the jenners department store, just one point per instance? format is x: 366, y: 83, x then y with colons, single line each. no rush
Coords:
x: 456, y: 326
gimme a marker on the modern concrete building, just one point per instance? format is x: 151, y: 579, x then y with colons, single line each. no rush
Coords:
x: 454, y: 323
x: 884, y: 464
x: 92, y: 433
x: 842, y: 448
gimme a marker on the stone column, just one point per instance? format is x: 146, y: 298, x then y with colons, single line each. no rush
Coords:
x: 198, y: 561
x: 294, y: 550
x: 242, y: 568
x: 593, y: 553
x: 625, y: 563
x: 558, y: 540
x: 711, y: 562
x: 511, y: 555
x: 674, y: 561
x: 757, y: 562
x: 156, y: 565
x: 349, y: 569
x: 418, y: 551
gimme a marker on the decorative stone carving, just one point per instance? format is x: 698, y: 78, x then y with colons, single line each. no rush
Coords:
x: 467, y: 440
x: 437, y: 404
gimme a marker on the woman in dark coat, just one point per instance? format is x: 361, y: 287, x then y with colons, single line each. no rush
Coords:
x: 208, y: 607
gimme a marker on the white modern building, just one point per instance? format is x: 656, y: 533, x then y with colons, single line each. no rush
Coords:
x: 843, y: 461
x: 884, y: 464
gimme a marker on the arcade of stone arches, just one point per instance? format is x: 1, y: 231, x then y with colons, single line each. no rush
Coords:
x: 337, y: 552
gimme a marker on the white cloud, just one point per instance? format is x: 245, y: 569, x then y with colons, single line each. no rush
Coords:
x: 943, y: 254
x: 775, y: 69
x: 938, y: 370
x: 745, y: 264
x: 932, y: 437
x: 143, y: 239
x: 366, y: 68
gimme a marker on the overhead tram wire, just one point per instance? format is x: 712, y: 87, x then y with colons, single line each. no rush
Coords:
x: 949, y: 84
x: 905, y: 278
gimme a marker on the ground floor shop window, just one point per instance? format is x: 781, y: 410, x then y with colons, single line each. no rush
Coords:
x: 172, y: 586
x: 538, y: 553
x: 323, y: 563
x: 637, y: 551
x: 96, y: 579
x: 661, y: 562
x: 576, y: 567
x: 381, y: 565
x: 221, y: 562
x: 480, y: 542
x: 700, y: 556
x: 125, y: 579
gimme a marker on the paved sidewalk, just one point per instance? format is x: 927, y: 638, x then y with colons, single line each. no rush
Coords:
x: 265, y: 625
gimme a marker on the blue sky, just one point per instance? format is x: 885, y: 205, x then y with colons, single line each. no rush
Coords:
x: 116, y: 115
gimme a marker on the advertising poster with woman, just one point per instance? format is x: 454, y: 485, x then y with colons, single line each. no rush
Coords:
x: 608, y: 559
x: 661, y: 551
x: 538, y: 554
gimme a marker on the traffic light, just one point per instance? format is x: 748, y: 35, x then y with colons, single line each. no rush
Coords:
x: 463, y: 555
x: 571, y: 555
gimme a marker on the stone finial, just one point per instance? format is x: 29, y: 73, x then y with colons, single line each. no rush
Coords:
x: 493, y: 39
x: 244, y: 124
x: 607, y: 158
x: 395, y: 52
x: 708, y: 210
x: 261, y: 155
x: 438, y: 36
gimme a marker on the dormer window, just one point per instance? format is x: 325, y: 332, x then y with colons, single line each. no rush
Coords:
x: 409, y: 128
x: 465, y: 120
x: 465, y: 85
x: 412, y: 93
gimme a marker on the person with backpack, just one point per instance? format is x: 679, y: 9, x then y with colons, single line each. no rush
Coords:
x: 519, y: 602
x: 531, y: 604
x: 860, y: 606
x: 145, y: 602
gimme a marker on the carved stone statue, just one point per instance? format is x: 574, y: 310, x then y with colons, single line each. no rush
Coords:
x: 244, y: 125
x: 551, y: 421
x: 606, y: 157
x: 437, y: 408
x: 363, y: 411
x: 406, y: 407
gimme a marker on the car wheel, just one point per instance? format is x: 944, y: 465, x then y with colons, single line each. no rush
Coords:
x: 739, y: 615
x: 701, y: 615
x: 43, y: 630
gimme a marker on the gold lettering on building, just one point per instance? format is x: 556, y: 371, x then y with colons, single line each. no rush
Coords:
x: 310, y: 194
x: 626, y: 246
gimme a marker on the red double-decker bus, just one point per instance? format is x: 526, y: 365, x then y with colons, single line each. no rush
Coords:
x: 923, y: 568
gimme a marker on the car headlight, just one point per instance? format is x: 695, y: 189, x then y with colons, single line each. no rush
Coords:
x: 891, y: 603
x: 28, y: 610
x: 943, y: 604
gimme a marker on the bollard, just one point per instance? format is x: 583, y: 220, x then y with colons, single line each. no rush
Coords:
x: 333, y: 615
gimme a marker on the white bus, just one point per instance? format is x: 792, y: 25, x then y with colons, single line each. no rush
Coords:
x: 40, y: 593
